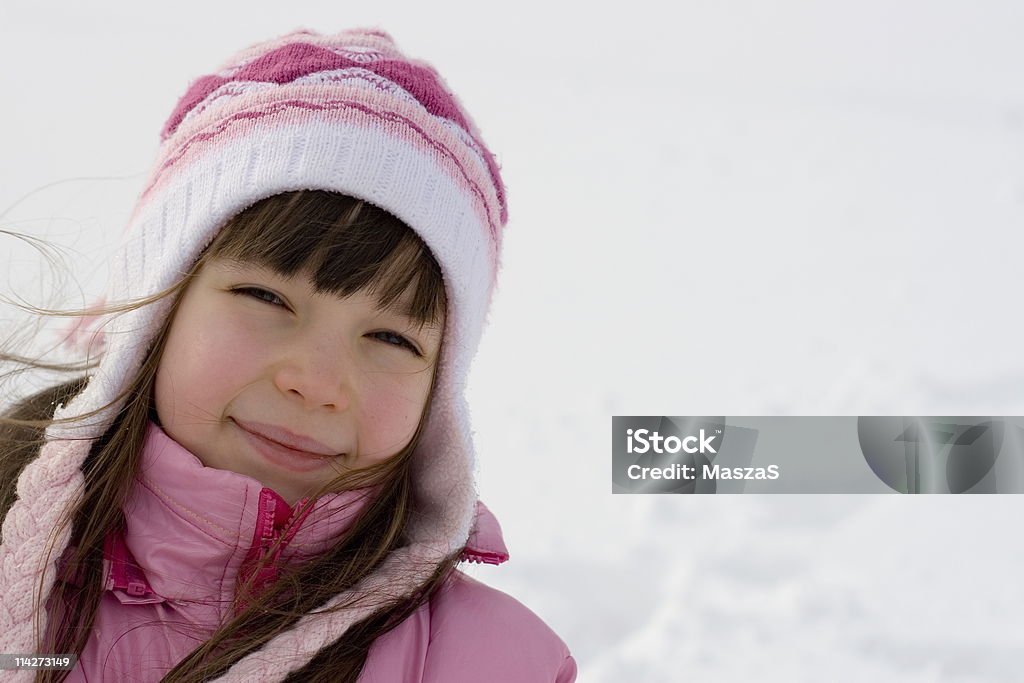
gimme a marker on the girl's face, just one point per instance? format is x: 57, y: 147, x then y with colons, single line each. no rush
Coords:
x: 263, y: 376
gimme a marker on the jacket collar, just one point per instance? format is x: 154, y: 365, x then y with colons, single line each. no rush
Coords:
x: 191, y: 529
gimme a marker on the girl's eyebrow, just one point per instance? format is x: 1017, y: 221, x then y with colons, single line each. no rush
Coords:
x: 399, y: 307
x: 241, y: 267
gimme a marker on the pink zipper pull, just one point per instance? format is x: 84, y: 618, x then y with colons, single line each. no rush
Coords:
x: 274, y: 516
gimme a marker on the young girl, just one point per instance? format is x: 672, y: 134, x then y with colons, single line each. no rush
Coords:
x: 267, y: 473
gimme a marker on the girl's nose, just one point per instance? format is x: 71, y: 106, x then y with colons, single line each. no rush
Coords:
x: 318, y: 383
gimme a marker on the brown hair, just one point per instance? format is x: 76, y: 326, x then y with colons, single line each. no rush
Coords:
x: 346, y: 245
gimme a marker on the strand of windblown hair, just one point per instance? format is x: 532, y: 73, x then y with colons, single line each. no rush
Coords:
x: 293, y: 649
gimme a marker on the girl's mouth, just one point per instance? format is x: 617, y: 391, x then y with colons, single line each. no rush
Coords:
x: 281, y: 455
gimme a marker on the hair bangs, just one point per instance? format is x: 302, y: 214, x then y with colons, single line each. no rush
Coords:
x: 344, y: 244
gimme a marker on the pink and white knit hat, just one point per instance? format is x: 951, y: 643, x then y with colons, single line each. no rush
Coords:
x: 346, y: 112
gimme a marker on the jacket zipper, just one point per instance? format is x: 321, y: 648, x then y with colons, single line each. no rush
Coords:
x: 271, y: 523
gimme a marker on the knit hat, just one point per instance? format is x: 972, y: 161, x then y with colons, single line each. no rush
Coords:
x: 348, y: 113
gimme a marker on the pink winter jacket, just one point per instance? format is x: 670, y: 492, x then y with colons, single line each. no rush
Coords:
x: 192, y: 529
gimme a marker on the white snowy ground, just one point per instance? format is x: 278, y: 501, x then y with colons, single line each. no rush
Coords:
x: 726, y: 208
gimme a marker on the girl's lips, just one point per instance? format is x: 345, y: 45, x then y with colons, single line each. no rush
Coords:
x: 286, y: 438
x: 283, y: 456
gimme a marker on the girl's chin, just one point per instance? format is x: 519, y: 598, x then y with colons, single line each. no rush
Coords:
x: 272, y: 478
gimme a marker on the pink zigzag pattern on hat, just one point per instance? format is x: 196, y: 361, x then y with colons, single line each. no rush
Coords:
x: 295, y: 60
x: 328, y: 105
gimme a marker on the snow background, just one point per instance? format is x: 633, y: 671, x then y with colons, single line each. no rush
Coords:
x: 719, y: 208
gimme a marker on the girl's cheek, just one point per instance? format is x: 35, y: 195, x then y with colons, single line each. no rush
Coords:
x: 222, y: 346
x: 392, y: 411
x: 210, y: 349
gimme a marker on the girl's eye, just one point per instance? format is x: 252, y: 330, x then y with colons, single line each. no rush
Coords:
x: 392, y: 338
x: 397, y: 340
x: 261, y: 294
